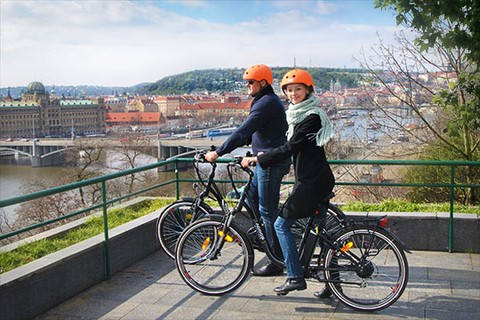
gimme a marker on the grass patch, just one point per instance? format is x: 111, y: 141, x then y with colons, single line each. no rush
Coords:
x: 34, y: 250
x: 399, y: 205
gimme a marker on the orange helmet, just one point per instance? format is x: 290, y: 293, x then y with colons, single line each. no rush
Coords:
x: 258, y: 73
x: 297, y: 76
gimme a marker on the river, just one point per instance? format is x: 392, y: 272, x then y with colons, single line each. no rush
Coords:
x: 15, y: 172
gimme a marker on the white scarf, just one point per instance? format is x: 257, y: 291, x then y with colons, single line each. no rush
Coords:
x: 296, y: 113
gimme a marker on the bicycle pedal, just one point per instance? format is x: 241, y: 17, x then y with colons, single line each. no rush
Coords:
x: 279, y: 294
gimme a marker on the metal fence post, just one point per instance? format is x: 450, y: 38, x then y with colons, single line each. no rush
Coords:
x: 452, y: 194
x: 177, y: 188
x: 105, y: 228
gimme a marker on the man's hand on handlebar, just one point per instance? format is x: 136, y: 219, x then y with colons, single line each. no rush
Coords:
x: 211, y: 156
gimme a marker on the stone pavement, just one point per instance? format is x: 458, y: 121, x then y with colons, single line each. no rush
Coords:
x: 441, y: 286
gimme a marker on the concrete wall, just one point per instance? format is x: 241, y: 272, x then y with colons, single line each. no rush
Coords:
x: 42, y: 284
x: 430, y: 231
x: 32, y: 289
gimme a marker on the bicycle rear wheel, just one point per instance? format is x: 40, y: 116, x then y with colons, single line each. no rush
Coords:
x: 207, y: 271
x: 174, y: 219
x: 377, y: 277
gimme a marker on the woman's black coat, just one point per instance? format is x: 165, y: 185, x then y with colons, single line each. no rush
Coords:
x: 314, y: 179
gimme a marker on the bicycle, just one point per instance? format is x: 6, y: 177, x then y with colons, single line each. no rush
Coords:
x: 363, y: 264
x: 178, y: 215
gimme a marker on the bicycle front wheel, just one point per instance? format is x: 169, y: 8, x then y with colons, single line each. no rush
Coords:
x: 205, y: 268
x: 174, y: 219
x: 370, y: 272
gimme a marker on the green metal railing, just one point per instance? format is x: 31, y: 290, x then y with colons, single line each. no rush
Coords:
x: 105, y: 203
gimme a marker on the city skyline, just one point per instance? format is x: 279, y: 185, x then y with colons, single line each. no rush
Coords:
x: 124, y: 43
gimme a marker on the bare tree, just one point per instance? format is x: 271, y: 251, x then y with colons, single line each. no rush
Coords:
x: 133, y: 147
x: 87, y: 160
x: 433, y: 88
x: 45, y: 208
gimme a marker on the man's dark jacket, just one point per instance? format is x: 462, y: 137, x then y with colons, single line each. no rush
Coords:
x: 264, y: 128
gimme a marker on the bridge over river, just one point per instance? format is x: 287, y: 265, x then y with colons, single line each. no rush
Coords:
x: 49, y: 152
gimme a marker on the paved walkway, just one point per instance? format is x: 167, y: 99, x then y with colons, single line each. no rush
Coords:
x: 441, y: 286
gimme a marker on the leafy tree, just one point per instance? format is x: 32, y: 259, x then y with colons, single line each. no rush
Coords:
x: 446, y: 46
x: 454, y: 24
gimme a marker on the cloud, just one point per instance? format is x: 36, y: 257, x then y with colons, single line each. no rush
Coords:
x: 191, y: 3
x: 128, y: 42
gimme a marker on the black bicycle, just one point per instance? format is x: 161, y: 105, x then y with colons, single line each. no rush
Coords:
x: 175, y: 217
x: 363, y: 264
x: 179, y: 214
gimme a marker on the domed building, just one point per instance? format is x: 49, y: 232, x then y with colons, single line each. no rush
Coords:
x: 39, y: 114
x: 35, y: 92
x: 35, y: 87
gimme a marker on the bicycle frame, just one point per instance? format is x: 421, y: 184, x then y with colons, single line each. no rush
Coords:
x: 209, y: 188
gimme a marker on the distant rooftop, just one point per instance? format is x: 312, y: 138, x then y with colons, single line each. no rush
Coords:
x: 19, y: 104
x: 76, y: 102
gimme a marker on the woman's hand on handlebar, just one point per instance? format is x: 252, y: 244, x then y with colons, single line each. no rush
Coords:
x: 248, y: 161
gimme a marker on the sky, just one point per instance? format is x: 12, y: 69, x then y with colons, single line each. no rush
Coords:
x: 124, y: 43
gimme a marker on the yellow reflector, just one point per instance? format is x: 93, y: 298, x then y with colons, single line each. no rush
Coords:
x: 227, y: 237
x: 347, y: 247
x: 205, y: 243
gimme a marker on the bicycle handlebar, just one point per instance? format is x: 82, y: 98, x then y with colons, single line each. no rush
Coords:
x: 237, y: 162
x: 200, y: 155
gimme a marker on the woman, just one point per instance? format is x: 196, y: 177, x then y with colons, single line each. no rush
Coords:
x: 309, y: 129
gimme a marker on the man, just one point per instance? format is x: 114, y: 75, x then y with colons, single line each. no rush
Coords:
x: 265, y: 128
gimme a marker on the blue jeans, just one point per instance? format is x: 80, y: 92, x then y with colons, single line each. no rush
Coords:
x: 289, y: 247
x: 265, y: 194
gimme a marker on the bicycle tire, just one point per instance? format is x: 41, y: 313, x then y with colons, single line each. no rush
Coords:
x: 378, y: 277
x: 213, y: 275
x: 174, y: 219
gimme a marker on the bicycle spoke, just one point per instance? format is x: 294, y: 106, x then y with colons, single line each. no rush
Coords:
x: 379, y: 275
x: 173, y: 221
x: 206, y: 270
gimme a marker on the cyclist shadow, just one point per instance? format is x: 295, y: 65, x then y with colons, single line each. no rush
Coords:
x: 444, y: 293
x: 421, y: 307
x: 431, y: 293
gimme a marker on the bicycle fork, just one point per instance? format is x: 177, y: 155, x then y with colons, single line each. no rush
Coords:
x: 222, y: 236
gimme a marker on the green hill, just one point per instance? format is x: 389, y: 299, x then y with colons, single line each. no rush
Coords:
x: 230, y: 80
